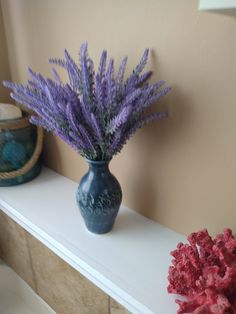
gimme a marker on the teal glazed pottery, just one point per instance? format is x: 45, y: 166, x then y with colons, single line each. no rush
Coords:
x: 17, y: 144
x: 99, y: 197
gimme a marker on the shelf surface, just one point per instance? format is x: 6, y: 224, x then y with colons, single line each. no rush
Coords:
x: 130, y: 263
x: 16, y: 297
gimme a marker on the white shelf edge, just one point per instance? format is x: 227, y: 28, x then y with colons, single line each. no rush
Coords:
x: 78, y: 264
x: 94, y: 270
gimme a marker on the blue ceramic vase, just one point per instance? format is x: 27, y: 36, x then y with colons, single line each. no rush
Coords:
x: 99, y: 197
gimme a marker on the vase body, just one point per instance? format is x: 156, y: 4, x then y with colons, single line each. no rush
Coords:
x: 99, y: 197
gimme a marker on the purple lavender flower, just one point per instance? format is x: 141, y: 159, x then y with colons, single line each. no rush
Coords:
x: 119, y: 120
x: 102, y: 65
x: 95, y: 112
x: 121, y: 72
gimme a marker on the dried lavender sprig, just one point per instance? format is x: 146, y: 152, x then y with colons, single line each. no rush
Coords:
x: 72, y: 118
x: 110, y: 84
x: 38, y: 121
x: 56, y: 76
x: 78, y: 140
x: 154, y: 117
x: 132, y: 80
x: 121, y: 72
x: 139, y: 68
x: 68, y: 140
x: 143, y: 78
x: 86, y: 112
x: 96, y: 128
x: 130, y: 98
x: 87, y: 139
x: 154, y: 98
x: 112, y: 149
x: 72, y: 70
x: 102, y: 65
x: 99, y: 92
x: 56, y: 61
x: 120, y: 119
x: 87, y: 91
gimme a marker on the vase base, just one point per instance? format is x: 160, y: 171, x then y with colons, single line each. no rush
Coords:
x: 98, y: 229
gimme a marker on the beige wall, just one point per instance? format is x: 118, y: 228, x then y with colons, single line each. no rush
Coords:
x: 181, y: 171
x: 4, y: 64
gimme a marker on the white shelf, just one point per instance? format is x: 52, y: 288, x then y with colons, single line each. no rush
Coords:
x: 217, y: 5
x: 16, y: 297
x: 130, y: 263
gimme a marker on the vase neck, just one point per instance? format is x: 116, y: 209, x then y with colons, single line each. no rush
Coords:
x: 97, y: 166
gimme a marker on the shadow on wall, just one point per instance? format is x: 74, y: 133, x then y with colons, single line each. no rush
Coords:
x: 51, y: 149
x: 155, y: 140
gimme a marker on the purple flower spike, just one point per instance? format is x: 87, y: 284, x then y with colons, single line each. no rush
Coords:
x: 94, y: 112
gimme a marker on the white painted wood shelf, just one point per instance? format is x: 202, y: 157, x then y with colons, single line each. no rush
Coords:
x: 130, y: 263
x: 16, y: 297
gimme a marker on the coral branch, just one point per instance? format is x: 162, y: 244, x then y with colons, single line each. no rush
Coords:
x: 204, y: 271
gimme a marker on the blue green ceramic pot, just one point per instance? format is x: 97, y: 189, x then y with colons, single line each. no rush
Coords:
x: 17, y: 144
x: 99, y: 197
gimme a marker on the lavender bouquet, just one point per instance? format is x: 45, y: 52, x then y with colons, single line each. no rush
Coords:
x: 94, y: 112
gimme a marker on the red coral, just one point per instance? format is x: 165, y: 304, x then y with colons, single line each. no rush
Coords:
x: 204, y: 271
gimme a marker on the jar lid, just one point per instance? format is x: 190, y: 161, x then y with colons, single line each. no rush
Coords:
x: 9, y: 112
x: 13, y: 124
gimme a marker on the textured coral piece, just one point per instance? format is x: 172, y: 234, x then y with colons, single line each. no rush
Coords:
x: 204, y: 272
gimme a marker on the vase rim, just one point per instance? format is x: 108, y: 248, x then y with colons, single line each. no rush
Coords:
x: 98, y: 162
